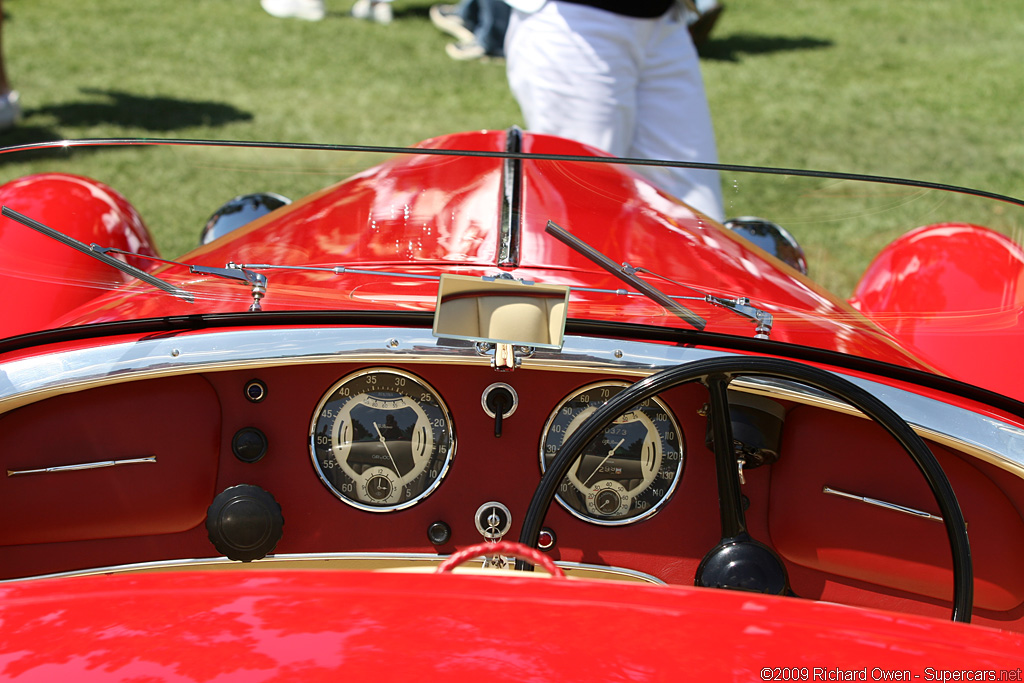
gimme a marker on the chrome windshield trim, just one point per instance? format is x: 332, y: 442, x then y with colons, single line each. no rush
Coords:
x: 372, y: 562
x: 34, y: 378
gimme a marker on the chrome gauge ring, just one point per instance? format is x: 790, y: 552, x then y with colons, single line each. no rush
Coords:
x: 626, y: 473
x: 381, y: 439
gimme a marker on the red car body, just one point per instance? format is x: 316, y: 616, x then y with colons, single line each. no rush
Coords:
x: 126, y: 413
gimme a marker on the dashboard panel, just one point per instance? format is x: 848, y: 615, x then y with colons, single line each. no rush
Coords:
x: 443, y: 457
x: 108, y: 463
x: 828, y: 455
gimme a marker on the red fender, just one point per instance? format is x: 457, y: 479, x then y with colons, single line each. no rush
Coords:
x: 35, y: 270
x: 974, y: 273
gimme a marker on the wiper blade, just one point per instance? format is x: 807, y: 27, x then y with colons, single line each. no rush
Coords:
x: 99, y: 253
x: 627, y: 274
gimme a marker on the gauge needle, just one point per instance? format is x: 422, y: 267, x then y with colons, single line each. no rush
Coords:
x: 384, y: 443
x: 603, y: 461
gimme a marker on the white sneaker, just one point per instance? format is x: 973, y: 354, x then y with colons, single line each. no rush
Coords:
x: 361, y: 10
x: 448, y: 19
x: 373, y: 9
x: 382, y: 12
x: 10, y: 109
x: 464, y: 52
x: 310, y: 10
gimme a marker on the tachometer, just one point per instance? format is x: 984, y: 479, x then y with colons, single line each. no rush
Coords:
x: 626, y: 473
x: 381, y: 439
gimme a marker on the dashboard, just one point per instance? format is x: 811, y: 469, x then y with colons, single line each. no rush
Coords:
x: 424, y: 456
x: 360, y: 458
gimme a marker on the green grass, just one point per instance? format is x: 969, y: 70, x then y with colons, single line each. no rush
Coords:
x: 929, y: 90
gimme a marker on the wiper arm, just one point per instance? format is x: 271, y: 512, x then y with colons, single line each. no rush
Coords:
x: 99, y: 253
x: 256, y: 281
x: 627, y: 274
x: 741, y: 306
x: 761, y: 318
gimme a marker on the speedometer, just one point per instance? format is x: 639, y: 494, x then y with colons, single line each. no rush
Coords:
x: 381, y: 439
x: 627, y: 472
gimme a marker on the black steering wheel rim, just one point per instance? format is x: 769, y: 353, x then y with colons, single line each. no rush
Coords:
x: 731, y: 367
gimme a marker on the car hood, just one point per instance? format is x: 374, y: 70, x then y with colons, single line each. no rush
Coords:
x: 314, y: 625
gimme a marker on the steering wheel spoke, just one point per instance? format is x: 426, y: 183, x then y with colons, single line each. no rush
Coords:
x: 738, y: 562
x: 730, y: 499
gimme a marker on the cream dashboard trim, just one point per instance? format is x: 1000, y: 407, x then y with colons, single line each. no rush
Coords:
x: 413, y: 562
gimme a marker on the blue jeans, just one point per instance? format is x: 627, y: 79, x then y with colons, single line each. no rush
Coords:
x: 488, y: 20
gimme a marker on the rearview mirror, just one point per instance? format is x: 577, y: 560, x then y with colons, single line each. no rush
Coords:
x: 501, y: 311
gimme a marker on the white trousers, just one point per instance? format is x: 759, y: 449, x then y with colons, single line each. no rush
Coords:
x: 631, y: 87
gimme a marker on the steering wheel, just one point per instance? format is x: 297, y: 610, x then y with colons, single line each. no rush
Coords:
x: 738, y: 561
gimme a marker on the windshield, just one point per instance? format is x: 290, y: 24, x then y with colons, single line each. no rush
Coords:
x: 904, y: 273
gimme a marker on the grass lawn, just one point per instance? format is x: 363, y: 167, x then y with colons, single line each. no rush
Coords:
x: 929, y: 90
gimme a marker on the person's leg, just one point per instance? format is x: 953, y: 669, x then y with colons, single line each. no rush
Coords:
x: 570, y: 69
x: 630, y: 87
x: 5, y: 85
x: 676, y: 121
x: 491, y: 27
x: 10, y: 107
x: 469, y: 10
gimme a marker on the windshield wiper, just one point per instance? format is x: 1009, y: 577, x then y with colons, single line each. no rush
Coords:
x: 740, y: 305
x: 626, y: 273
x: 256, y: 281
x: 99, y: 253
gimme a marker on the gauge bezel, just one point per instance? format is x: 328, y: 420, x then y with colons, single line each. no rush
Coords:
x: 439, y: 404
x: 670, y: 490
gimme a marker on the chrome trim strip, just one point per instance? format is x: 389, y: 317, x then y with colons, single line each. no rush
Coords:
x: 198, y: 564
x: 882, y: 504
x: 83, y: 466
x: 34, y: 378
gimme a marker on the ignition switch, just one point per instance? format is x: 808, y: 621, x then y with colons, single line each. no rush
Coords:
x: 494, y: 520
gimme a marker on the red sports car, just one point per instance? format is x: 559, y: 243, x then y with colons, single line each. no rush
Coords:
x: 498, y: 405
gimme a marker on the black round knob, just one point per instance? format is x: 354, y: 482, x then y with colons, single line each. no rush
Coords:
x: 249, y: 444
x: 439, y: 533
x: 743, y: 564
x: 244, y: 523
